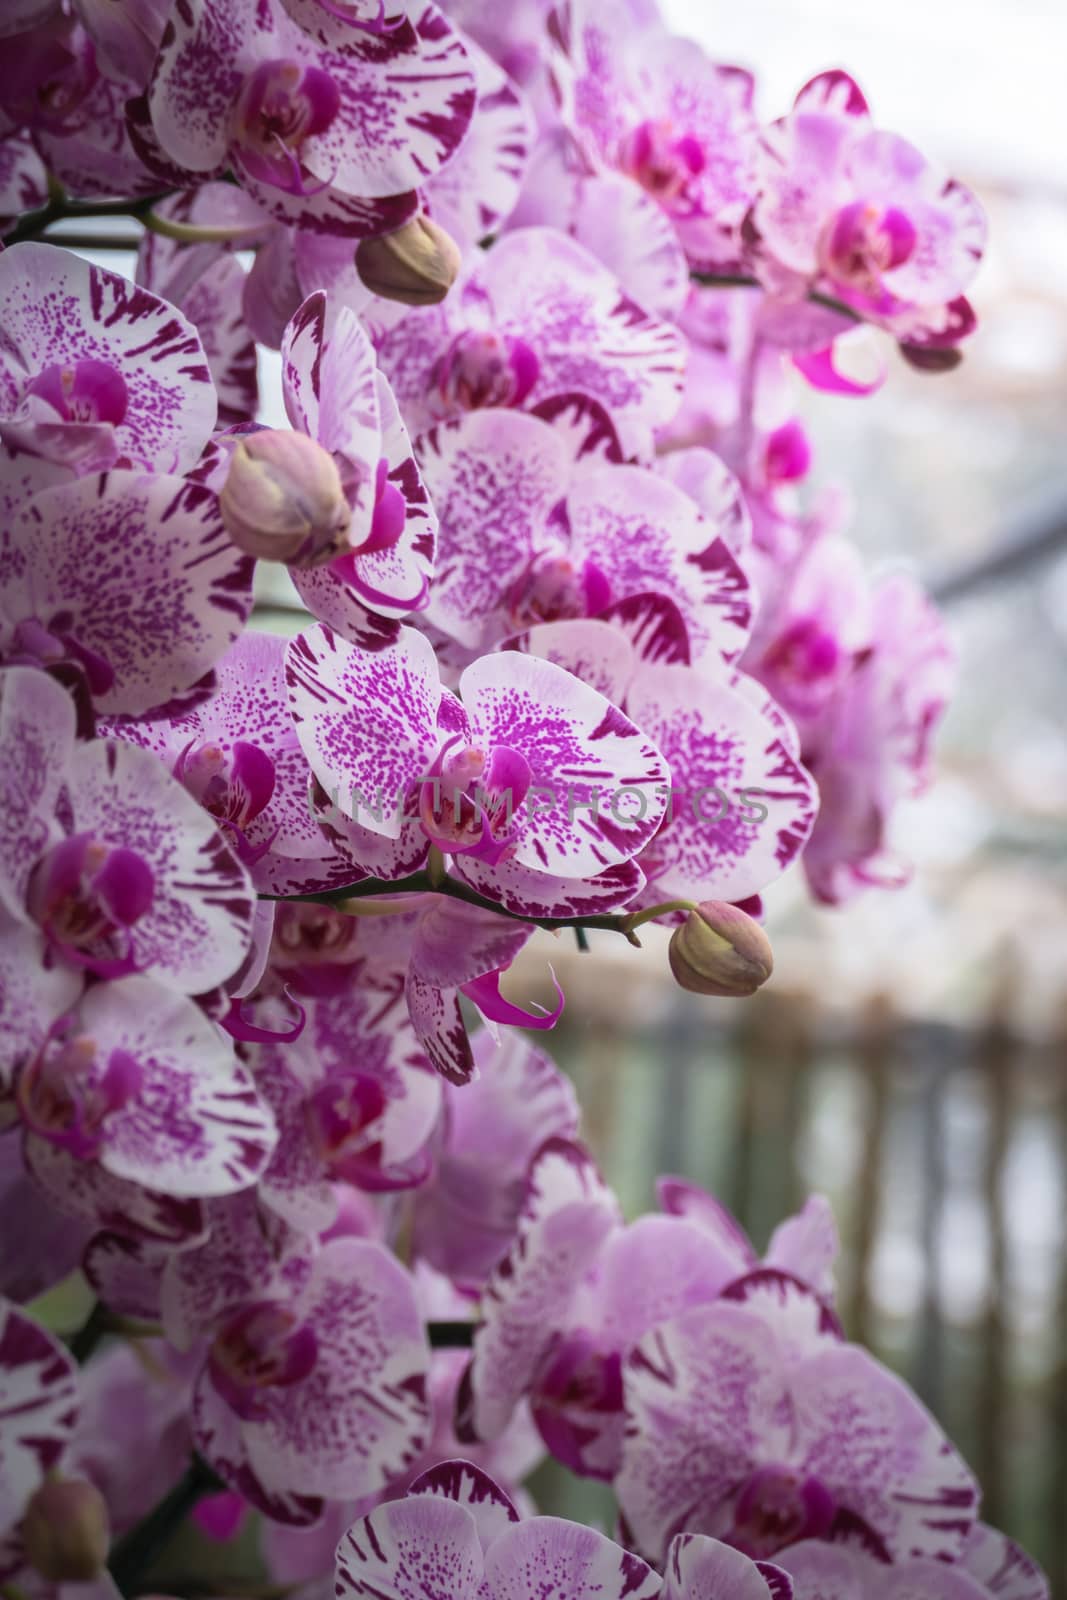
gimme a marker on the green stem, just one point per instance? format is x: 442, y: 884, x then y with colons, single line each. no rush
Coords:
x: 742, y: 280
x: 59, y: 209
x: 422, y: 883
x: 418, y: 883
x: 96, y: 1325
x: 134, y: 1554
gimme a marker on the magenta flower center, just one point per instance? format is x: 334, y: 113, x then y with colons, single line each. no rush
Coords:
x: 263, y: 1346
x: 778, y: 1506
x: 339, y: 1114
x: 280, y: 106
x: 805, y: 656
x: 862, y: 241
x: 663, y: 161
x: 484, y: 368
x: 555, y: 588
x: 82, y: 391
x: 87, y: 896
x: 234, y: 786
x: 469, y: 805
x: 66, y: 1094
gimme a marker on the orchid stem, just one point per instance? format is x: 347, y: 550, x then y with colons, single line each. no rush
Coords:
x: 422, y: 883
x: 134, y: 1554
x: 742, y: 280
x: 59, y: 208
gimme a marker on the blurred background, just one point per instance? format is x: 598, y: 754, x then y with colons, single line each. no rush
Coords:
x: 909, y: 1058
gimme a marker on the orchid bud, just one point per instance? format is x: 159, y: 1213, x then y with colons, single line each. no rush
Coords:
x: 416, y: 265
x: 720, y: 949
x: 65, y: 1531
x: 283, y: 499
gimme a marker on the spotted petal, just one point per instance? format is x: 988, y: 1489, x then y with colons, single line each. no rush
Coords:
x: 37, y: 724
x: 360, y: 1418
x: 366, y: 722
x: 567, y: 1215
x: 198, y: 928
x: 727, y: 765
x: 38, y: 1408
x: 646, y: 534
x: 137, y: 572
x: 597, y: 782
x: 423, y: 1548
x: 59, y: 309
x: 560, y: 1560
x: 493, y: 476
x: 699, y: 1568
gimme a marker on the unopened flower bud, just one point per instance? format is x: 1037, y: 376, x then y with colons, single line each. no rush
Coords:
x: 720, y: 950
x: 416, y: 265
x: 65, y: 1531
x: 283, y: 500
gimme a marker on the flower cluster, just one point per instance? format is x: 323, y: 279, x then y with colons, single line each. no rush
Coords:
x: 574, y: 649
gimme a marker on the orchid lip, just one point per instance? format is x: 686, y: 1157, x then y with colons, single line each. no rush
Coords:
x: 64, y: 1095
x: 263, y: 1346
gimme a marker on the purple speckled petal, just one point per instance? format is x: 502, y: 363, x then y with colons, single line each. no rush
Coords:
x: 706, y: 1401
x: 590, y: 337
x: 529, y: 893
x: 360, y: 1418
x: 567, y: 1215
x: 195, y: 1125
x: 38, y: 1408
x: 806, y: 1245
x: 23, y: 177
x: 559, y: 1560
x: 823, y: 1571
x: 87, y: 1191
x: 801, y: 1320
x: 582, y: 753
x: 197, y: 77
x: 366, y: 722
x: 37, y: 723
x: 699, y: 1568
x: 439, y: 1027
x: 328, y: 384
x: 45, y: 1247
x: 331, y: 213
x: 406, y: 101
x: 1007, y: 1572
x: 246, y: 1255
x: 454, y: 943
x: 677, y: 1265
x: 197, y: 930
x: 219, y: 1437
x: 708, y: 481
x: 100, y: 158
x: 465, y: 1222
x: 468, y: 1485
x: 474, y: 193
x: 58, y: 309
x: 727, y: 764
x: 585, y: 427
x: 352, y: 597
x: 165, y: 592
x: 126, y: 1274
x: 422, y: 1548
x: 881, y: 1454
x: 612, y: 217
x: 601, y: 655
x: 493, y: 477
x: 678, y: 1198
x: 207, y: 283
x: 644, y: 533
